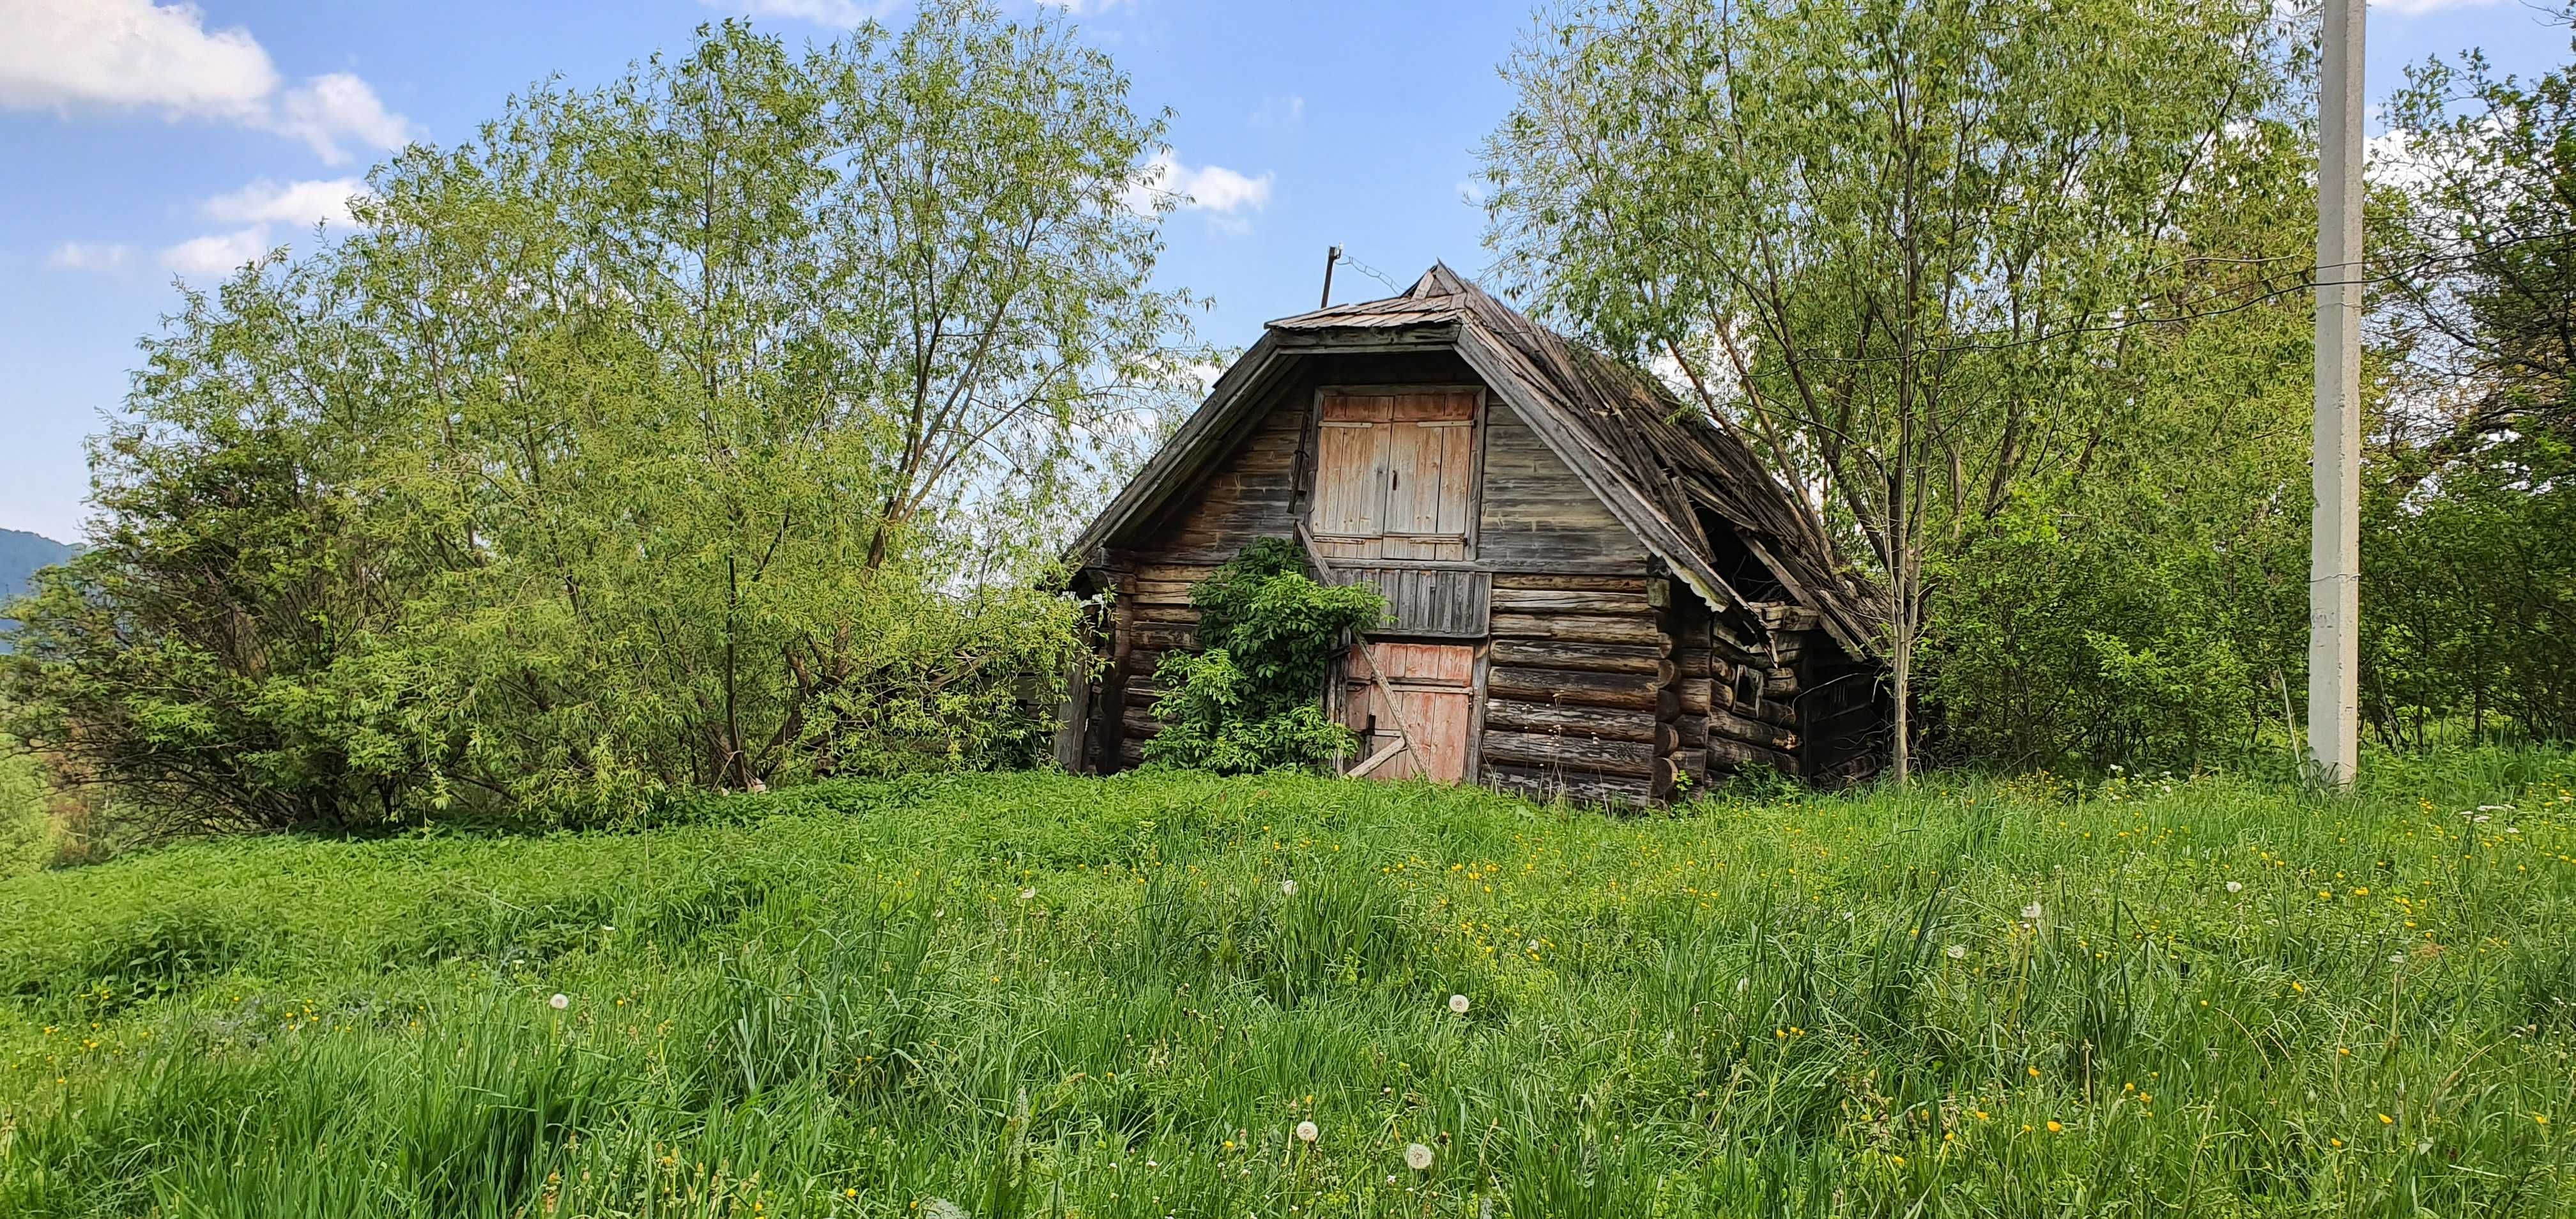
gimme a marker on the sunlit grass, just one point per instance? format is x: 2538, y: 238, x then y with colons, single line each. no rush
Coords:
x: 1031, y: 995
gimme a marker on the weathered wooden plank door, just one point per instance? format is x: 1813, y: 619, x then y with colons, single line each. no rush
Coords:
x: 1430, y: 474
x: 1395, y: 474
x: 1434, y: 687
x: 1350, y: 475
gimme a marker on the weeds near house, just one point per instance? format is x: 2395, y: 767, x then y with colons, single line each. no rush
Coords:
x: 1037, y: 996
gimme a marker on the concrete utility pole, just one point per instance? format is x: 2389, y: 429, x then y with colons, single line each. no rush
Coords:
x: 2334, y: 560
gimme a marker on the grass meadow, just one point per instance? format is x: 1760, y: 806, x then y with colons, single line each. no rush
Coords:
x: 1036, y: 996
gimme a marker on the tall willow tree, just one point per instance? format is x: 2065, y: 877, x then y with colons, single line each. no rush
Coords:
x: 1899, y: 244
x: 706, y: 429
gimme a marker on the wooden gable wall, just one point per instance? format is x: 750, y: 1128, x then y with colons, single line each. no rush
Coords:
x: 1599, y: 679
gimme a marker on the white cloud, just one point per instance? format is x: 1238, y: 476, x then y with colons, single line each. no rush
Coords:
x: 337, y: 106
x: 89, y: 256
x: 1207, y: 188
x: 130, y: 54
x: 72, y: 55
x: 296, y: 203
x: 1474, y: 191
x: 217, y: 254
x: 1093, y: 8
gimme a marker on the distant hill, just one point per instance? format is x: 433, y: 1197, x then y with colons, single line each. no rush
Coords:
x: 21, y: 553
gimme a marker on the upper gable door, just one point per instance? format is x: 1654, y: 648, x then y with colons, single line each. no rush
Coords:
x: 1395, y: 473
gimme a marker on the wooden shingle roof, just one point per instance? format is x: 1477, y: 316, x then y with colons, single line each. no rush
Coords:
x: 1656, y: 462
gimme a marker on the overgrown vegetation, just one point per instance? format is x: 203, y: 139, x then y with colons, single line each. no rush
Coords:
x: 1251, y: 698
x: 712, y: 428
x: 2069, y: 436
x: 1027, y: 995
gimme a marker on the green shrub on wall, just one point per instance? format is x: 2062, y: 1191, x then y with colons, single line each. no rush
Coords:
x: 1249, y: 701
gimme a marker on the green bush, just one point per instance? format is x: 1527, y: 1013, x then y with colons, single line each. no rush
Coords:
x: 1252, y: 700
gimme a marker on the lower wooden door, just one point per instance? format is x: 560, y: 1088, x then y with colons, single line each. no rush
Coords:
x: 1432, y: 688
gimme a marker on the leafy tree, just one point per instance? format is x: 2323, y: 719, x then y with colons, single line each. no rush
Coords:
x: 713, y: 428
x: 2469, y: 559
x: 1252, y: 700
x: 1901, y: 245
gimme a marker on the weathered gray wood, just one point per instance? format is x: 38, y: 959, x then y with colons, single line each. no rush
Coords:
x: 1605, y: 723
x: 1691, y: 732
x: 1633, y: 691
x: 1751, y: 731
x: 1581, y: 657
x: 1073, y: 719
x: 1441, y: 602
x: 1535, y: 507
x: 1584, y: 628
x: 1569, y: 601
x: 1783, y: 617
x: 1727, y: 753
x: 1626, y: 758
x: 1163, y: 637
x: 1570, y: 581
x: 1140, y: 723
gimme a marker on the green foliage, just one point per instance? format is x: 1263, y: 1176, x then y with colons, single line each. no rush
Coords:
x: 714, y: 428
x: 2469, y: 549
x: 1899, y: 246
x: 1005, y: 991
x: 1253, y: 699
x: 27, y: 830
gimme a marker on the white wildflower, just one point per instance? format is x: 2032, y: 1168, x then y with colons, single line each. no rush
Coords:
x: 2031, y: 912
x: 1417, y: 1157
x: 941, y: 1208
x: 1957, y: 952
x: 1287, y: 888
x: 2236, y: 886
x: 1458, y: 1004
x: 560, y: 1001
x: 1307, y: 1132
x: 1026, y: 894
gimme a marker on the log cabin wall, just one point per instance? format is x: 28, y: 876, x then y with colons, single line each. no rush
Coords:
x: 1259, y: 489
x: 1580, y: 697
x: 1602, y: 679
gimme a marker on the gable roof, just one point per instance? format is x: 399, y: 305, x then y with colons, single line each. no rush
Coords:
x: 1653, y: 461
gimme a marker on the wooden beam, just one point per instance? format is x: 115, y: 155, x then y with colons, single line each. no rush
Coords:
x: 1368, y: 648
x: 1364, y: 769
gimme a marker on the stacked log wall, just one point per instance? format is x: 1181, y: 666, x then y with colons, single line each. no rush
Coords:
x: 1580, y: 697
x: 1743, y: 679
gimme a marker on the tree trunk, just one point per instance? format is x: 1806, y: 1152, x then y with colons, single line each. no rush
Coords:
x: 1907, y: 617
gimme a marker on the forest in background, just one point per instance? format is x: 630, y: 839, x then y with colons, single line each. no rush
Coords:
x: 715, y: 429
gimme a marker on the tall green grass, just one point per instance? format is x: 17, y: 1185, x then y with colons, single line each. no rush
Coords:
x: 1033, y: 996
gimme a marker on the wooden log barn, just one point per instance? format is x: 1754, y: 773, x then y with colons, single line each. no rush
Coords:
x: 1594, y: 592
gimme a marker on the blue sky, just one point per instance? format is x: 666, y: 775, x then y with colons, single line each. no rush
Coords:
x: 141, y: 142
